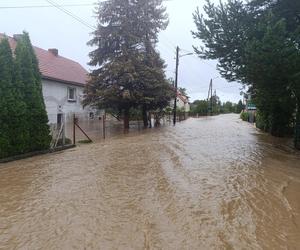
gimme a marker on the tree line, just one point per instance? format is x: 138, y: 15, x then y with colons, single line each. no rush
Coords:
x: 215, y: 107
x: 128, y: 70
x: 257, y: 43
x: 23, y: 118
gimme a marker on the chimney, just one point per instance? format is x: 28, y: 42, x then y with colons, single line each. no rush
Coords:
x: 53, y: 51
x: 17, y: 37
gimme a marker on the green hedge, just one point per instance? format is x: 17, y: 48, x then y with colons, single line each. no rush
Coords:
x: 244, y: 116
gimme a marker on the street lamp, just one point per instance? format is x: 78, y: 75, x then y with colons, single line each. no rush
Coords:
x: 188, y: 54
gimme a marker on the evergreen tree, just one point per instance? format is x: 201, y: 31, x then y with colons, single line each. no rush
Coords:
x: 183, y: 91
x: 129, y: 68
x: 268, y: 60
x: 13, y: 130
x: 112, y: 84
x: 257, y: 43
x: 156, y: 90
x: 37, y: 119
x: 239, y: 107
x: 5, y: 96
x: 151, y: 18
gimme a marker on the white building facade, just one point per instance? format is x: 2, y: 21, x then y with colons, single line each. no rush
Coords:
x: 63, y: 83
x: 182, y: 103
x: 66, y: 99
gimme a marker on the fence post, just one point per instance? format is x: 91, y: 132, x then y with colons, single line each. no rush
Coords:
x: 150, y: 120
x: 63, y: 130
x: 74, y: 133
x: 63, y: 135
x: 103, y: 124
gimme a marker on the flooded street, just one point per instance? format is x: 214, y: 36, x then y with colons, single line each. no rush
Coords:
x: 209, y: 183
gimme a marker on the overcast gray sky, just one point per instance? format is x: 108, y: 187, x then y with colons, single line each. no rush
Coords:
x: 52, y: 28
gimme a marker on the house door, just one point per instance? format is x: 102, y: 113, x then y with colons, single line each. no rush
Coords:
x: 59, y: 119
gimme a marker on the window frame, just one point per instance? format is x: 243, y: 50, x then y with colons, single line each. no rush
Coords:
x: 74, y: 99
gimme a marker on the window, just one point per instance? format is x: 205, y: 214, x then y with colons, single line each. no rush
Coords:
x: 92, y: 115
x: 72, y: 94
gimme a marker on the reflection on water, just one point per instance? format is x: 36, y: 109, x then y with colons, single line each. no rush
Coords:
x: 209, y: 183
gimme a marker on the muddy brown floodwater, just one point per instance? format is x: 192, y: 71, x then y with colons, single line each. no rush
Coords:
x: 208, y: 183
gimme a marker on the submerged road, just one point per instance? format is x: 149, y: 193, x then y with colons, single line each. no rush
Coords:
x: 208, y: 183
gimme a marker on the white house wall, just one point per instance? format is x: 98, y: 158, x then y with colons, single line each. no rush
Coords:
x: 187, y: 107
x: 181, y: 105
x: 56, y: 100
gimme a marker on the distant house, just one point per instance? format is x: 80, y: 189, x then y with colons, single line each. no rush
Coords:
x: 182, y: 102
x: 63, y: 82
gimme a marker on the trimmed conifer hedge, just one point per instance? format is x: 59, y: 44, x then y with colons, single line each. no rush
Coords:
x: 23, y: 117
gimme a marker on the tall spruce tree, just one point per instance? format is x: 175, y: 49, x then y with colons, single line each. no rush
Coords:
x: 112, y: 84
x: 156, y: 90
x: 152, y: 18
x: 13, y: 124
x: 125, y: 57
x: 30, y: 78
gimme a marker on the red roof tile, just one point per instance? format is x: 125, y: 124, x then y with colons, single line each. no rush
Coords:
x: 182, y: 97
x: 56, y: 68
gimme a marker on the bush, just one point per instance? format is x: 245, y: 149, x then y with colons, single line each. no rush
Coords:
x: 245, y: 116
x: 262, y: 122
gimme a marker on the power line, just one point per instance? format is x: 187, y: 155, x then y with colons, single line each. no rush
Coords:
x: 190, y: 68
x: 61, y: 8
x: 196, y: 57
x: 43, y: 6
x: 192, y: 71
x: 49, y: 6
x: 204, y: 89
x: 194, y: 76
x: 173, y: 45
x: 69, y: 13
x: 170, y: 49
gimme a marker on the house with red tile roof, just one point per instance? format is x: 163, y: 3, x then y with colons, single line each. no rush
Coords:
x: 182, y: 102
x: 63, y: 82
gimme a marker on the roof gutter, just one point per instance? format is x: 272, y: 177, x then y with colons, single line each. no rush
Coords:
x: 62, y: 81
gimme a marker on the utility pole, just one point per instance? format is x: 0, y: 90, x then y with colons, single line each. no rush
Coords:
x: 176, y: 85
x: 210, y: 97
x: 215, y: 100
x: 176, y: 81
